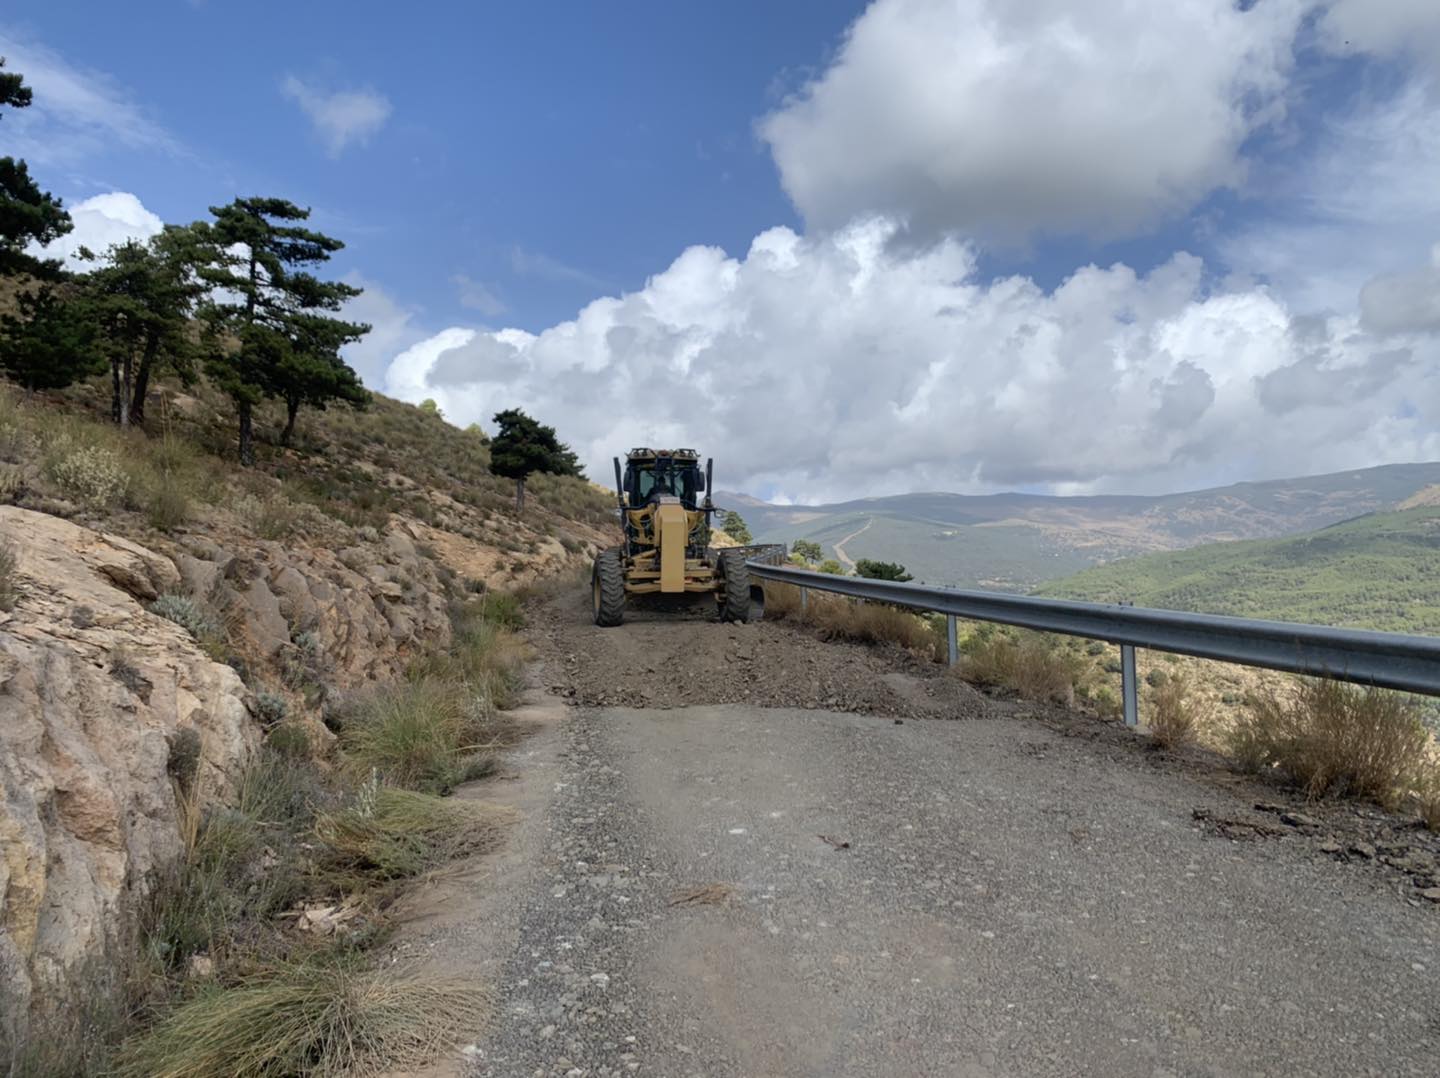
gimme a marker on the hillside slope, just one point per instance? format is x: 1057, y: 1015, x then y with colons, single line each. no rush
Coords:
x: 1018, y: 541
x: 1380, y: 571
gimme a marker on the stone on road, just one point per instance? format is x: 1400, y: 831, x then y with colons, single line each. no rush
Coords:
x: 735, y: 891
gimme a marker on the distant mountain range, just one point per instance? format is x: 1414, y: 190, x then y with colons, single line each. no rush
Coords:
x: 1016, y: 542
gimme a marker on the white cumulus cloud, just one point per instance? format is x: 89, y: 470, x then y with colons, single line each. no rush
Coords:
x: 101, y: 222
x: 1387, y: 28
x: 1002, y: 119
x: 341, y: 117
x: 836, y: 365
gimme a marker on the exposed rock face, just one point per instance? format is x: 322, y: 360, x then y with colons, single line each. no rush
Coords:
x: 94, y: 690
x: 366, y: 609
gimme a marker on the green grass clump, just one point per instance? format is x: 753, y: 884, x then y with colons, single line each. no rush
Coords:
x: 418, y: 734
x: 484, y: 656
x: 390, y: 834
x: 325, y: 1017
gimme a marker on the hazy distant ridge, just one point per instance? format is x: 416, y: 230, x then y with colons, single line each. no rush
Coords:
x: 1019, y: 541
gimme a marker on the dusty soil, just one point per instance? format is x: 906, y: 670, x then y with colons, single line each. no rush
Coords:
x: 685, y: 657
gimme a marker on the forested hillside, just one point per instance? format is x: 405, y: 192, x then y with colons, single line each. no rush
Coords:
x: 1380, y: 571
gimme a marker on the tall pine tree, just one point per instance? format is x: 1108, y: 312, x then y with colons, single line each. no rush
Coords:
x: 268, y: 333
x: 142, y: 298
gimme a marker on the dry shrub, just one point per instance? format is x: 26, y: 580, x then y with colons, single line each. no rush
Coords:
x: 1174, y: 712
x: 1428, y: 791
x: 91, y: 474
x: 871, y: 623
x: 1335, y: 739
x: 1030, y: 666
x: 781, y: 601
x: 836, y: 617
x: 324, y: 1017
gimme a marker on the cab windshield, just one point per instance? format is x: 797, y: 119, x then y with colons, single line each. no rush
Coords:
x: 664, y: 477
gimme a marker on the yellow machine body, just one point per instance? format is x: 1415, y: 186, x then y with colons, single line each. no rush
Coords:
x: 662, y: 533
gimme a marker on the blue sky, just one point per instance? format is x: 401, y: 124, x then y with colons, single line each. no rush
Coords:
x: 595, y: 145
x: 849, y: 248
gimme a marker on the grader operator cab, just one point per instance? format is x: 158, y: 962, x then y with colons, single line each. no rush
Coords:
x: 666, y: 551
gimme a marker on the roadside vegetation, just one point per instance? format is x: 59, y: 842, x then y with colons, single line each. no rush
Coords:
x: 835, y: 617
x: 250, y: 957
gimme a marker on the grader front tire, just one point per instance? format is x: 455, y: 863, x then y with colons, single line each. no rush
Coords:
x: 735, y: 596
x: 607, y: 585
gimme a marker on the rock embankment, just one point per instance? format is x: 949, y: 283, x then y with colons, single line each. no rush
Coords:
x: 111, y: 714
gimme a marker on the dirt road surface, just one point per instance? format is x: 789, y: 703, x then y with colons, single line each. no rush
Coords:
x: 710, y: 885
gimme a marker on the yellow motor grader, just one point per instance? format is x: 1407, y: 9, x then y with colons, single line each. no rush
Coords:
x: 667, y: 549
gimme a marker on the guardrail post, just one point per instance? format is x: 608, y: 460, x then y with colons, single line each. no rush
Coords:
x: 1129, y: 690
x: 951, y: 641
x: 1127, y: 685
x: 804, y: 600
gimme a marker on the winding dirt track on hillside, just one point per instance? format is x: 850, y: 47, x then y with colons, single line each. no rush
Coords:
x: 845, y: 558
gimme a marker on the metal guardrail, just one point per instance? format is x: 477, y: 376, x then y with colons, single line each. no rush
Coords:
x: 1387, y: 660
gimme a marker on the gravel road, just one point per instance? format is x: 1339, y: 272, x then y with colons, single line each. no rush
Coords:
x: 728, y: 889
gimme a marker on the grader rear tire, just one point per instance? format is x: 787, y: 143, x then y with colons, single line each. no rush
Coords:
x: 735, y: 596
x: 607, y: 585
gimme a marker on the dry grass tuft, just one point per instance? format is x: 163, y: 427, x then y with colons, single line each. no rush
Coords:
x: 1335, y: 739
x: 417, y: 734
x: 9, y: 577
x: 322, y: 1018
x: 389, y: 834
x: 836, y: 617
x: 1030, y: 666
x: 1174, y: 713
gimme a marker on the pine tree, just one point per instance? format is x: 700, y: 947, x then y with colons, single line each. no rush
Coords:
x: 142, y: 298
x: 51, y: 343
x: 311, y: 370
x: 523, y: 446
x: 27, y: 214
x: 268, y: 335
x: 882, y: 570
x: 734, y: 526
x: 807, y: 551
